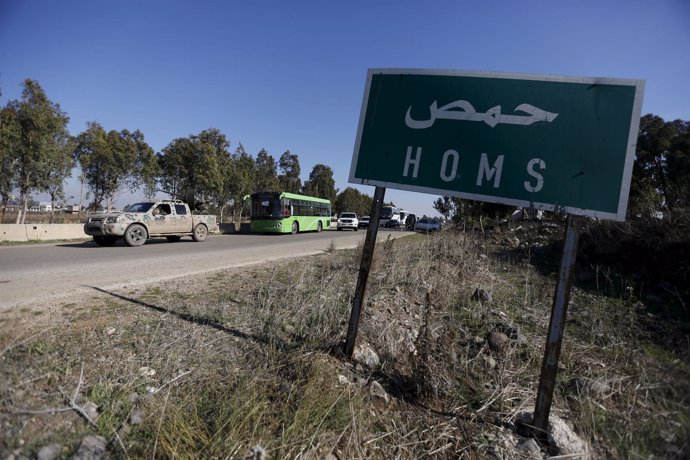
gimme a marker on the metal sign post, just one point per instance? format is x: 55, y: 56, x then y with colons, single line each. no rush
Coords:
x: 365, y: 266
x: 554, y: 339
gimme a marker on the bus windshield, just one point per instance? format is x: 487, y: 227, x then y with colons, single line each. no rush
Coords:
x: 387, y: 212
x: 268, y: 207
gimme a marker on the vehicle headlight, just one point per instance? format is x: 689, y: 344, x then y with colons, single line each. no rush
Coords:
x: 112, y: 219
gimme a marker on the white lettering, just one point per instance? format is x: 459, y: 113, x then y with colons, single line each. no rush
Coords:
x: 487, y: 171
x: 412, y: 161
x: 453, y: 167
x: 540, y: 179
x: 463, y: 110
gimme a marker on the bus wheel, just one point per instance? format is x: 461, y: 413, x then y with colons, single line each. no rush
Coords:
x: 318, y: 227
x: 295, y: 227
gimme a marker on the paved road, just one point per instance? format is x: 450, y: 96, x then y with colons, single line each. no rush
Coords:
x: 42, y: 274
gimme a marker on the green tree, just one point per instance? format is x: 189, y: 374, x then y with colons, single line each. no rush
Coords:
x: 216, y: 155
x: 289, y: 179
x: 9, y: 138
x: 266, y: 173
x: 176, y: 162
x: 42, y: 130
x: 146, y: 166
x: 352, y: 200
x: 196, y: 168
x: 113, y: 162
x: 478, y: 211
x: 678, y: 164
x: 468, y: 211
x: 243, y: 176
x: 661, y: 174
x: 445, y: 206
x: 223, y: 196
x: 62, y: 164
x: 320, y: 183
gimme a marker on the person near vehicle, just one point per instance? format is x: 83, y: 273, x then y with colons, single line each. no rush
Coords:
x: 411, y: 220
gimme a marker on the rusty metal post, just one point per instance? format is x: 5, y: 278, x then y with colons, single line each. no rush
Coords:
x: 554, y: 339
x: 365, y: 266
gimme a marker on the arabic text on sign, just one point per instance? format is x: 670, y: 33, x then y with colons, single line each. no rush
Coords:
x: 463, y: 110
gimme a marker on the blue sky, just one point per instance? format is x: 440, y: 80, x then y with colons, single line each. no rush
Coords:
x: 290, y: 75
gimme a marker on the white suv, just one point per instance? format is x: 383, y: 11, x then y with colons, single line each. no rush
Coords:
x: 348, y: 220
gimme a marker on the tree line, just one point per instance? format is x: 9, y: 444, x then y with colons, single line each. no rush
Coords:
x: 37, y: 154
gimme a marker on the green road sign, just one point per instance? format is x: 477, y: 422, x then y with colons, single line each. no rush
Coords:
x: 552, y: 143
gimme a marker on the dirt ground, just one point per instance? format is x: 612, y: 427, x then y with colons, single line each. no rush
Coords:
x: 246, y: 363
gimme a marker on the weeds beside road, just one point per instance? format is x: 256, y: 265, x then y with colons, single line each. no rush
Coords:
x: 246, y: 361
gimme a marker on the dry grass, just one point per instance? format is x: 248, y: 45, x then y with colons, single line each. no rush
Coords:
x: 246, y: 363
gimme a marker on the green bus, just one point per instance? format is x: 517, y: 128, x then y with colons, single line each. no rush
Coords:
x: 282, y: 212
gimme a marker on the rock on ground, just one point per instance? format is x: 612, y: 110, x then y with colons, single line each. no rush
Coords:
x: 482, y: 295
x: 564, y: 441
x: 378, y: 392
x: 530, y: 448
x: 91, y: 448
x: 497, y: 341
x: 49, y: 452
x: 366, y: 356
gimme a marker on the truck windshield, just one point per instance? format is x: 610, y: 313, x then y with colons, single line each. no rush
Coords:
x: 139, y: 207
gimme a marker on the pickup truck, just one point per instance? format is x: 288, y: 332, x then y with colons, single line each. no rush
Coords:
x: 171, y: 219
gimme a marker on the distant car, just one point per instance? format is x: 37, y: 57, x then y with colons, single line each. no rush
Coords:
x: 363, y: 222
x: 393, y: 223
x: 348, y: 220
x: 427, y: 225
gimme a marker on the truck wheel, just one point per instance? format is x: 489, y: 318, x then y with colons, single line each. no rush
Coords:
x: 295, y: 227
x: 135, y: 235
x: 319, y: 227
x: 200, y: 233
